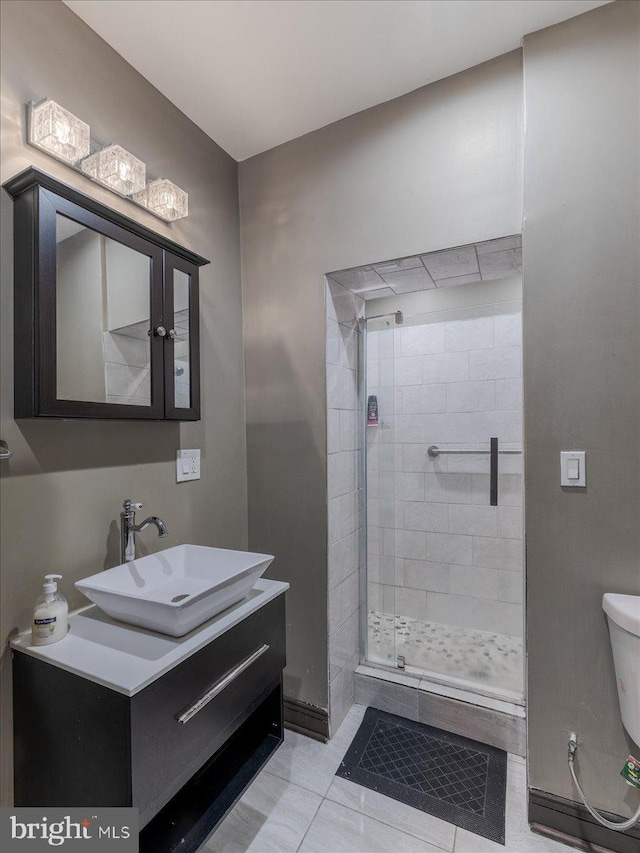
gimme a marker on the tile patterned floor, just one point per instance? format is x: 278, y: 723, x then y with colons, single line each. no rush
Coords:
x: 298, y: 803
x: 480, y: 656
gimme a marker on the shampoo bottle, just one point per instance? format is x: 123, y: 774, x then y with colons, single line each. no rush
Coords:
x: 50, y: 614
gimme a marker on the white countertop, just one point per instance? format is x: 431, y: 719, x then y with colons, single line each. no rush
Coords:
x: 126, y: 658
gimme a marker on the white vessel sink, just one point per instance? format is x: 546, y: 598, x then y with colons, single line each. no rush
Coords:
x: 175, y: 590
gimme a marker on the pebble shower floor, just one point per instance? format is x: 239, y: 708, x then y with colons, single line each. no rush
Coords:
x: 479, y: 656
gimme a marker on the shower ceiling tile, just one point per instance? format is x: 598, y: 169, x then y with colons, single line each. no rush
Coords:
x: 408, y: 281
x: 499, y: 245
x: 447, y: 268
x: 377, y: 294
x: 500, y: 264
x: 457, y: 280
x: 400, y: 264
x: 451, y: 262
x: 358, y: 279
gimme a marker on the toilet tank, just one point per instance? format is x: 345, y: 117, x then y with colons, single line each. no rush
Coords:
x: 623, y: 614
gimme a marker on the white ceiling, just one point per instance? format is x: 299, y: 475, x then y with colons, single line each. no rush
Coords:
x: 256, y: 73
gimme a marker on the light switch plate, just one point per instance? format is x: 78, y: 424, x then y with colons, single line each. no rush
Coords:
x: 573, y: 471
x: 187, y: 465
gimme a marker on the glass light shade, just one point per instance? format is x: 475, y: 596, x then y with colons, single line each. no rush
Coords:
x: 58, y: 132
x: 116, y: 168
x: 165, y: 199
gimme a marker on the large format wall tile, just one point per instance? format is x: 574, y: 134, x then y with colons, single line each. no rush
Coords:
x: 469, y: 334
x: 421, y: 340
x: 492, y: 727
x: 386, y: 696
x: 502, y: 363
x: 438, y: 550
x: 344, y: 493
x: 448, y: 367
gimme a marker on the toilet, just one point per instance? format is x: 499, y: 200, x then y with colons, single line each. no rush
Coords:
x: 623, y: 614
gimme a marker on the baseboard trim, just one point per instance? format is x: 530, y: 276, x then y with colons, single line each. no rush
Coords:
x: 306, y: 719
x: 570, y: 823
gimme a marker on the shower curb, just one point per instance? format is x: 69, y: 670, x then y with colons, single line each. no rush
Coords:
x: 503, y: 730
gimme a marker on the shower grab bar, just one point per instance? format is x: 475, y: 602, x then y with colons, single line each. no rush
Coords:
x: 493, y: 477
x: 434, y: 451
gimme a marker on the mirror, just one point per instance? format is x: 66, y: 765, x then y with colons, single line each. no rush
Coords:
x: 181, y: 366
x: 103, y: 307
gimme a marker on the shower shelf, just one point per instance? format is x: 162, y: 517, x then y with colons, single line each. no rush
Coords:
x: 435, y: 451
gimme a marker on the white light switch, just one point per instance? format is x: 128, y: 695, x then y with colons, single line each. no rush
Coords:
x: 187, y: 465
x: 573, y: 470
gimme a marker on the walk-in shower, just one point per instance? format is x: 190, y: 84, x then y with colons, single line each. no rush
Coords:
x: 440, y: 470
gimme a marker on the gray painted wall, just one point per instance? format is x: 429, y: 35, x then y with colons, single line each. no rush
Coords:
x: 436, y: 168
x: 62, y: 491
x: 582, y: 385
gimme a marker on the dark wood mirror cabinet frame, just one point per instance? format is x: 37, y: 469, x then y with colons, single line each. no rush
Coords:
x: 38, y: 198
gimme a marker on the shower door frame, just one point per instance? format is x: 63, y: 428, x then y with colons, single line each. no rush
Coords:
x: 363, y: 640
x: 431, y: 676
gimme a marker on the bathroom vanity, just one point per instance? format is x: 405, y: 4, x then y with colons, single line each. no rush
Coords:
x: 175, y: 726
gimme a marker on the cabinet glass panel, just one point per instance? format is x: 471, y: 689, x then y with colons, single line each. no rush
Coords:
x: 103, y: 307
x: 181, y: 363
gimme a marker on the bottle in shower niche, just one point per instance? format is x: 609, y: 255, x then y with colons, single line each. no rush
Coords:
x: 50, y: 614
x: 372, y: 411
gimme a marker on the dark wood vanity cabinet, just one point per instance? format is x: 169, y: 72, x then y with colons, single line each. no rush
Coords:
x: 103, y: 748
x: 106, y: 311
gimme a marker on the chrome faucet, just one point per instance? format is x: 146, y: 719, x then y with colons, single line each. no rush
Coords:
x: 128, y: 529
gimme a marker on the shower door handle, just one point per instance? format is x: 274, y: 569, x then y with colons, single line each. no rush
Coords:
x: 493, y: 477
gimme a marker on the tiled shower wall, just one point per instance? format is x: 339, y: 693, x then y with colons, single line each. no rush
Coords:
x: 345, y: 517
x: 127, y: 367
x: 437, y: 551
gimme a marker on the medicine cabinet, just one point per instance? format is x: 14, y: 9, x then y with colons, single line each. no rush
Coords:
x: 106, y: 310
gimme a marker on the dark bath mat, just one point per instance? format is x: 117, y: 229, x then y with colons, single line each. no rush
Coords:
x: 451, y: 777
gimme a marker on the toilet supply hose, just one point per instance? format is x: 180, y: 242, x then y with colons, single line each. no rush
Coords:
x: 618, y: 827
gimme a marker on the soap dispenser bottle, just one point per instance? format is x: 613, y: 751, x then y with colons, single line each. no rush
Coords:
x: 50, y: 614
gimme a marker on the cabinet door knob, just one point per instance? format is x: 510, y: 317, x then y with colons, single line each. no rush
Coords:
x: 173, y: 334
x: 160, y: 331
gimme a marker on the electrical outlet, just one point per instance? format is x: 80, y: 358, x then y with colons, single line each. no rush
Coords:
x: 187, y: 465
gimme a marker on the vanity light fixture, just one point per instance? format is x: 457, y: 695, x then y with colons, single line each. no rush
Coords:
x: 59, y: 133
x: 116, y: 168
x: 163, y: 198
x: 55, y: 130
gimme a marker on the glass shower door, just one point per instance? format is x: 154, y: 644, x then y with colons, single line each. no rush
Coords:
x: 444, y: 512
x: 381, y: 454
